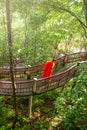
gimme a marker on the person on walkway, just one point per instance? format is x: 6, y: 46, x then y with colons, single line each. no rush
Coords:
x: 48, y: 68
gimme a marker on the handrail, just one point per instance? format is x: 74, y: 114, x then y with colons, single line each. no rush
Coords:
x: 37, y: 69
x: 30, y: 87
x: 25, y: 88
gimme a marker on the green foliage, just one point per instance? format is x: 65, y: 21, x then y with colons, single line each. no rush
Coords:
x: 3, y: 114
x: 39, y: 26
x: 71, y: 104
x: 40, y: 29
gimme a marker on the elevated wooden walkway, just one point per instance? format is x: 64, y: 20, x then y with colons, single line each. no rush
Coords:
x: 36, y: 86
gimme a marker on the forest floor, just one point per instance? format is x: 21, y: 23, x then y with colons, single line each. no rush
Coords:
x: 45, y: 117
x: 43, y: 114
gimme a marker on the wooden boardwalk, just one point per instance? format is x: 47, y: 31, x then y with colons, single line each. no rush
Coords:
x: 36, y: 86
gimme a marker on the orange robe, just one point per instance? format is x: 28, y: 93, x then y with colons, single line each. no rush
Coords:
x: 48, y: 67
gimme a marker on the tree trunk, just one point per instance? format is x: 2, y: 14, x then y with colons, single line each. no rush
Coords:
x: 85, y: 9
x: 9, y: 34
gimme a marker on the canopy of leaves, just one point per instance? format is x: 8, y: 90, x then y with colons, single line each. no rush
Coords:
x: 41, y: 26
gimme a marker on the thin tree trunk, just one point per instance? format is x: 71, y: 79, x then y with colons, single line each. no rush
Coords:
x: 9, y: 33
x: 85, y: 9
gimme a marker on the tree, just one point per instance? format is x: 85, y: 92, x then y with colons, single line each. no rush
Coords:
x: 10, y: 54
x: 85, y: 10
x: 59, y: 6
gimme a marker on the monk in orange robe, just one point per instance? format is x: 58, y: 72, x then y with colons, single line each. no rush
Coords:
x: 48, y: 68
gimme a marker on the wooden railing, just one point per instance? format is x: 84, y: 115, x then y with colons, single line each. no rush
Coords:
x: 36, y: 86
x: 38, y: 69
x: 5, y: 71
x: 60, y: 61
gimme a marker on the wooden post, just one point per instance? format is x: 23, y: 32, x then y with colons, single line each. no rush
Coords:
x: 28, y: 73
x: 31, y: 98
x: 35, y: 84
x: 30, y: 106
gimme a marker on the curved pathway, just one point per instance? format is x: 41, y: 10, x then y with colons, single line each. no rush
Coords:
x: 36, y: 86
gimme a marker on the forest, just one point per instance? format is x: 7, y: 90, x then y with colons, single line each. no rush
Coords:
x: 31, y: 33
